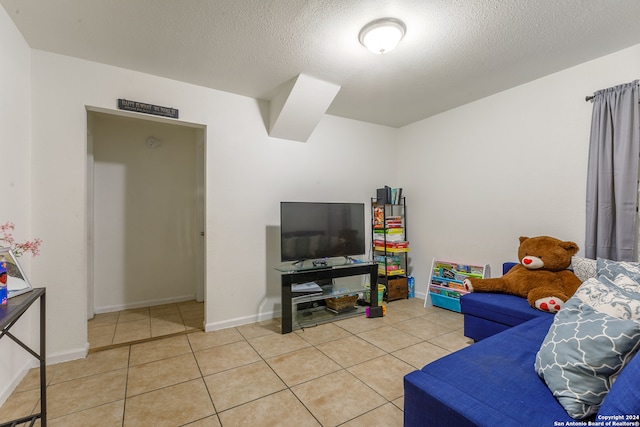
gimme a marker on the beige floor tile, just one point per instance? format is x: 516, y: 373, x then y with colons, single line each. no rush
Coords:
x: 322, y: 333
x: 453, y: 341
x: 127, y: 335
x: 108, y: 415
x: 103, y: 319
x: 191, y: 307
x: 420, y: 354
x: 389, y: 339
x: 385, y: 416
x: 337, y: 398
x: 423, y: 328
x: 169, y: 407
x: 102, y: 330
x: 95, y: 363
x: 281, y: 409
x: 101, y: 341
x: 193, y: 317
x: 350, y: 351
x: 20, y: 405
x: 203, y: 340
x: 302, y: 365
x: 395, y: 315
x: 385, y: 375
x: 161, y: 373
x: 447, y: 318
x: 399, y: 402
x: 241, y: 385
x: 193, y: 323
x: 31, y: 381
x: 412, y: 305
x: 228, y: 356
x: 211, y: 421
x: 167, y: 325
x: 358, y: 324
x: 258, y: 329
x: 159, y: 349
x: 133, y: 325
x: 84, y: 393
x: 163, y: 310
x: 276, y: 344
x: 135, y: 314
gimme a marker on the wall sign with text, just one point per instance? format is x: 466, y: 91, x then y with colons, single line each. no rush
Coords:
x: 141, y: 107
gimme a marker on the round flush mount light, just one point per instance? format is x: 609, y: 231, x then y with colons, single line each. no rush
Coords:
x: 382, y: 35
x: 153, y: 142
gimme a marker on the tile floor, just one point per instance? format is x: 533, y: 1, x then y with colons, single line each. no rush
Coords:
x: 346, y: 373
x: 141, y: 324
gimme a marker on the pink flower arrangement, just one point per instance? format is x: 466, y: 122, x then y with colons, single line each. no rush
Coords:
x: 6, y: 238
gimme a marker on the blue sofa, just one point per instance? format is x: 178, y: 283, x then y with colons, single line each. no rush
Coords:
x: 493, y: 382
x: 486, y: 313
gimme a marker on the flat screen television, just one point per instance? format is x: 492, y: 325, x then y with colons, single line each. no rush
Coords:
x: 313, y: 230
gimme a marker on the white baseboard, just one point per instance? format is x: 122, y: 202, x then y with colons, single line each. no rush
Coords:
x: 68, y: 356
x: 239, y: 321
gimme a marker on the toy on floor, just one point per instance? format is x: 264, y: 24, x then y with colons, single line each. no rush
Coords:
x: 541, y: 277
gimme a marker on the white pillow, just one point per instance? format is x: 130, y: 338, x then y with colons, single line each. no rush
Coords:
x: 605, y: 296
x: 584, y: 268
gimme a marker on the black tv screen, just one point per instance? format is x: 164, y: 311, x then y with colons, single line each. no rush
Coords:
x: 311, y: 230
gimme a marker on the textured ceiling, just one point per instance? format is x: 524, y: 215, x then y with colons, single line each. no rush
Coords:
x: 455, y: 51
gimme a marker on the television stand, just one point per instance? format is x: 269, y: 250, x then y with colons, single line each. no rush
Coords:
x: 312, y: 316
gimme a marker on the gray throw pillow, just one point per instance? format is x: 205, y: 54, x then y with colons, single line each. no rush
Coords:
x: 582, y: 355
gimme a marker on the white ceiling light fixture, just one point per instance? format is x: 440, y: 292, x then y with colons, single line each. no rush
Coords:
x: 382, y: 35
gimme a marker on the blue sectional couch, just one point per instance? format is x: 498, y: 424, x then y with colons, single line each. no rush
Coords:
x: 494, y: 383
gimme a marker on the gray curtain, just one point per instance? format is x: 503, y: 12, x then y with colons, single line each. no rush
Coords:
x: 612, y: 177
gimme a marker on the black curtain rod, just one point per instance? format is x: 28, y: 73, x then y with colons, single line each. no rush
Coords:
x: 590, y: 98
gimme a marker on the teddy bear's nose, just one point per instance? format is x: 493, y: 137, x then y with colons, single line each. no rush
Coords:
x: 526, y: 261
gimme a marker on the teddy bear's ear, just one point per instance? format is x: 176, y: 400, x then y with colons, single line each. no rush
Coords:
x: 522, y: 239
x: 570, y: 247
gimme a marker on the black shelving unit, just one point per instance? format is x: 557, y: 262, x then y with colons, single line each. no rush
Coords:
x: 390, y: 246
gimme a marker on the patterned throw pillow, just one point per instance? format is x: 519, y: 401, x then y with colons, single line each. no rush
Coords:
x: 582, y: 355
x: 605, y: 296
x: 611, y: 269
x: 627, y: 284
x: 584, y: 268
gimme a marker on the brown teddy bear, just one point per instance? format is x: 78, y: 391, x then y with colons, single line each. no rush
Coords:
x: 541, y: 277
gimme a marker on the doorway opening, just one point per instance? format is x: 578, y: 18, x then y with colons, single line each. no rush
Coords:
x: 145, y: 227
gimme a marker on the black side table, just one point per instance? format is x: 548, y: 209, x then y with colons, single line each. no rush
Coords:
x: 9, y: 315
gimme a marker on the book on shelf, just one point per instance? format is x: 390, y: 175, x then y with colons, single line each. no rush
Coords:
x: 448, y: 292
x: 394, y: 230
x: 392, y: 250
x: 398, y: 272
x: 389, y: 259
x: 380, y: 245
x: 378, y: 217
x: 447, y: 283
x: 451, y: 269
x: 388, y: 196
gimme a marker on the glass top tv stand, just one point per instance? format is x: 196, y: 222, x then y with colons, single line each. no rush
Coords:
x: 316, y: 313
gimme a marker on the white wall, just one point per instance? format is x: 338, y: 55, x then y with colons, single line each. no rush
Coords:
x: 248, y: 174
x: 146, y: 231
x: 15, y: 186
x: 481, y: 175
